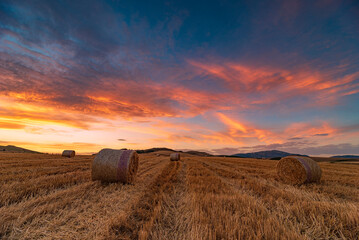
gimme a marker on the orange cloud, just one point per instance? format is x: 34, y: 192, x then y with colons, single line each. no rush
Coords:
x: 233, y: 125
x: 262, y: 135
x: 303, y: 130
x: 132, y: 99
x: 10, y: 125
x: 28, y: 114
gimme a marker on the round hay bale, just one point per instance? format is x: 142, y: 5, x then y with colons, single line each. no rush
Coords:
x: 297, y: 170
x: 175, y: 157
x: 68, y: 153
x: 111, y: 165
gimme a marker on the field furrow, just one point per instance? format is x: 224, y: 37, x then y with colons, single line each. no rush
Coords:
x: 172, y: 221
x: 137, y: 223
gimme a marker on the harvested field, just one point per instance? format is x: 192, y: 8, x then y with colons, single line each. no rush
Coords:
x: 49, y: 197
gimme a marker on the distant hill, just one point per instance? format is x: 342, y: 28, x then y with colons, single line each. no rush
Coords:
x: 154, y: 150
x: 346, y: 156
x: 197, y: 153
x: 265, y: 154
x: 14, y: 149
x: 275, y: 154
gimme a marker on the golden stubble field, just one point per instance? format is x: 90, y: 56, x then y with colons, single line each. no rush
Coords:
x: 49, y: 197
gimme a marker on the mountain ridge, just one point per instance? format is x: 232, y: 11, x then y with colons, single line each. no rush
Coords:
x: 266, y: 154
x: 15, y: 149
x: 346, y: 156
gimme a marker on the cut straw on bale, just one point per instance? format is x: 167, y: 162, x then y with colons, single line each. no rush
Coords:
x: 297, y: 170
x: 111, y: 165
x: 175, y: 157
x: 68, y: 153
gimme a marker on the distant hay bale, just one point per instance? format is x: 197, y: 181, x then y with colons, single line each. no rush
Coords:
x: 111, y: 165
x: 175, y: 157
x: 297, y: 170
x: 68, y: 153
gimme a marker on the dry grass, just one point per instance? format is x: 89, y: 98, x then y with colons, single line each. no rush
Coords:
x: 50, y: 197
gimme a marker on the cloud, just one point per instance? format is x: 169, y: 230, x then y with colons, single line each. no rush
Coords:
x: 27, y: 114
x: 177, y: 138
x: 321, y: 134
x: 79, y: 66
x: 239, y: 135
x: 234, y: 125
x: 100, y: 95
x: 349, y: 128
x: 295, y: 138
x: 239, y: 131
x: 9, y: 125
x: 265, y: 85
x: 44, y: 130
x: 308, y: 129
x: 121, y: 139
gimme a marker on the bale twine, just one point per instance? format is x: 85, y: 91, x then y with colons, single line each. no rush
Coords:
x: 111, y: 165
x: 175, y: 157
x: 68, y: 153
x: 297, y: 170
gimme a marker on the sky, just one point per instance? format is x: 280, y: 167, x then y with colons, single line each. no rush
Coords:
x: 223, y: 77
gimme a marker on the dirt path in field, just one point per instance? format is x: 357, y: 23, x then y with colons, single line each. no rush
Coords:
x: 173, y: 221
x: 138, y: 222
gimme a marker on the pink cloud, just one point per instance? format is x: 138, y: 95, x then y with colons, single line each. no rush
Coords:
x: 265, y: 85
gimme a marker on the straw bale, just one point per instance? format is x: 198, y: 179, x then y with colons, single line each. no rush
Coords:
x: 112, y: 165
x: 297, y: 170
x: 175, y: 157
x: 68, y: 153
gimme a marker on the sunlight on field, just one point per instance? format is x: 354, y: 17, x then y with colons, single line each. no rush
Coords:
x: 46, y: 196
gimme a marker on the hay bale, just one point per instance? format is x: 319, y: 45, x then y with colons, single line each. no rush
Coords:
x: 111, y: 165
x: 68, y: 153
x: 175, y: 157
x: 297, y: 170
